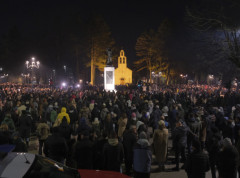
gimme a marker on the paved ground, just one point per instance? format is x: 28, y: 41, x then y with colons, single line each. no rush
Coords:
x: 168, y: 173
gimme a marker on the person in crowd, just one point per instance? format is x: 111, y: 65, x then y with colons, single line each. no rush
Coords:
x: 8, y: 120
x: 96, y: 127
x: 129, y: 140
x: 5, y: 135
x: 122, y: 123
x: 160, y: 144
x: 108, y: 124
x: 227, y: 160
x: 83, y: 152
x: 65, y: 129
x: 25, y: 124
x: 113, y: 153
x: 74, y: 117
x: 98, y: 157
x: 173, y: 117
x: 53, y: 115
x: 179, y: 142
x: 60, y: 117
x: 55, y: 146
x: 85, y: 112
x: 194, y: 130
x: 197, y: 163
x: 133, y: 120
x: 20, y: 146
x: 43, y: 131
x: 155, y: 117
x: 213, y: 148
x: 142, y: 157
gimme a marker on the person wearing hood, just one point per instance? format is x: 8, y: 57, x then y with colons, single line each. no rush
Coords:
x: 142, y: 157
x: 113, y: 153
x: 60, y: 117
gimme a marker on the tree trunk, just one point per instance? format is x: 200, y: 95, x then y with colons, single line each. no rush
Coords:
x: 92, y: 64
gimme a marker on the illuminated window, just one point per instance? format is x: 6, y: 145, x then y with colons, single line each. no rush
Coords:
x: 124, y: 60
x: 120, y: 60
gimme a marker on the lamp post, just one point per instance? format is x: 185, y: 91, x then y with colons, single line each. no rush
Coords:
x: 26, y: 76
x: 210, y: 79
x: 32, y: 65
x: 183, y: 77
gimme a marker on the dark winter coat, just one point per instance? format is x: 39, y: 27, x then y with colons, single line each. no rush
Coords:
x: 142, y: 158
x: 180, y: 136
x: 197, y: 164
x: 227, y: 162
x: 129, y: 140
x: 84, y: 154
x: 113, y: 156
x: 155, y: 118
x: 55, y: 147
x: 25, y: 123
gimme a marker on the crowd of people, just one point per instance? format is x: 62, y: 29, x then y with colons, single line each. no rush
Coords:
x: 93, y: 129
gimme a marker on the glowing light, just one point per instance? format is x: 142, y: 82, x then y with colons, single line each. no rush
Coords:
x: 64, y: 84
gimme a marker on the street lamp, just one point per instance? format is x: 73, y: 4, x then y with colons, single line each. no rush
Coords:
x: 25, y: 77
x: 31, y: 65
x: 210, y: 79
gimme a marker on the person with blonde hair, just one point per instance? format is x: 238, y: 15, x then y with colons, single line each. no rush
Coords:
x: 160, y: 144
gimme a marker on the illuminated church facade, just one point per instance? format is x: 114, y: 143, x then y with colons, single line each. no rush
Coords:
x: 123, y: 75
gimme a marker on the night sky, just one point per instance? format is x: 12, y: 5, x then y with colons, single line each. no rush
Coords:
x: 126, y: 19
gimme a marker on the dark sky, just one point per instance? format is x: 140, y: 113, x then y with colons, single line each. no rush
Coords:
x: 127, y: 18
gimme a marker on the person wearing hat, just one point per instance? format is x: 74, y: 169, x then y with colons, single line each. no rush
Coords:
x: 197, y: 163
x: 160, y: 144
x: 142, y: 157
x: 227, y: 160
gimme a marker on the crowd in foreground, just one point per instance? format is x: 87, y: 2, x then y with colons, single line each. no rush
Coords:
x: 92, y: 129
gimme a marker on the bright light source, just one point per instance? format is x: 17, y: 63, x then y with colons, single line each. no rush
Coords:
x: 64, y: 84
x: 78, y: 85
x: 211, y: 77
